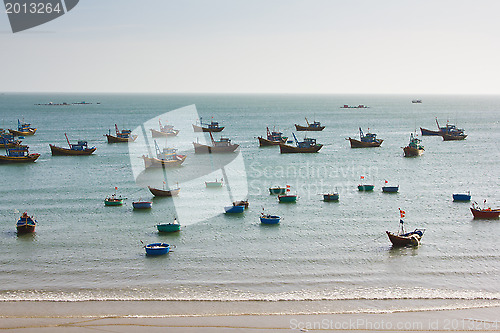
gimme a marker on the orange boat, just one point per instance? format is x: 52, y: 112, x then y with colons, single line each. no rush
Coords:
x: 18, y: 155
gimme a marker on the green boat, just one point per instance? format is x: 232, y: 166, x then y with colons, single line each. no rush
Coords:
x: 366, y: 187
x: 287, y: 198
x: 277, y: 190
x: 113, y: 201
x: 169, y: 227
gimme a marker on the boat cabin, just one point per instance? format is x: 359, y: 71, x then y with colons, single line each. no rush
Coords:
x: 81, y: 145
x: 17, y: 152
x: 308, y: 142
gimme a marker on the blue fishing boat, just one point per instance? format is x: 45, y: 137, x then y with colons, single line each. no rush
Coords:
x: 365, y: 141
x: 26, y: 224
x: 461, y: 196
x: 269, y: 219
x: 307, y: 146
x: 169, y: 227
x: 142, y: 204
x: 273, y: 138
x: 234, y: 209
x: 157, y: 249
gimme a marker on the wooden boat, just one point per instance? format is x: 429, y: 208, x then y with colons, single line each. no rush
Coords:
x: 113, y: 200
x: 216, y: 183
x: 23, y: 129
x: 484, y: 213
x: 277, y: 190
x: 285, y: 198
x: 453, y: 136
x: 390, y: 189
x: 81, y: 148
x: 315, y: 126
x: 142, y: 204
x: 213, y: 126
x: 461, y: 196
x: 417, y: 101
x: 169, y: 227
x: 164, y: 193
x: 273, y: 138
x: 307, y: 146
x: 427, y: 132
x: 157, y: 249
x: 8, y: 140
x: 414, y: 148
x: 331, y: 197
x: 441, y: 130
x: 234, y: 209
x: 403, y: 238
x: 166, y: 158
x: 269, y: 219
x: 165, y: 130
x: 366, y: 141
x: 365, y: 188
x: 26, y: 224
x: 18, y: 155
x: 224, y: 145
x: 123, y: 136
x: 243, y: 203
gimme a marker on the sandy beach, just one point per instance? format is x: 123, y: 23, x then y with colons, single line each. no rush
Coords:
x: 133, y: 317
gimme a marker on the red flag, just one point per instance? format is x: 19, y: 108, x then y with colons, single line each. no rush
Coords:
x: 116, y: 187
x: 402, y: 213
x: 288, y: 190
x: 386, y: 181
x: 288, y: 186
x: 362, y: 177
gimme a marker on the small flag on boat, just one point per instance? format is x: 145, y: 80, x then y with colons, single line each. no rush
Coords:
x: 362, y: 177
x: 288, y: 190
x: 116, y: 187
x: 402, y: 213
x: 288, y: 186
x: 386, y: 181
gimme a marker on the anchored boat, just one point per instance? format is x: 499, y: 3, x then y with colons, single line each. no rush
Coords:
x: 81, y: 148
x: 163, y: 192
x: 269, y: 219
x: 307, y: 146
x: 169, y: 227
x: 113, y: 200
x: 390, y: 189
x: 123, y: 136
x: 142, y: 204
x: 157, y: 249
x: 315, y: 126
x: 414, y: 148
x: 166, y: 158
x: 403, y: 238
x: 461, y: 196
x: 484, y: 213
x: 277, y: 190
x: 331, y: 197
x: 234, y: 209
x: 366, y: 141
x: 23, y: 129
x: 18, y: 155
x: 166, y: 130
x: 25, y: 224
x: 224, y: 145
x: 273, y: 138
x: 216, y: 183
x: 213, y: 126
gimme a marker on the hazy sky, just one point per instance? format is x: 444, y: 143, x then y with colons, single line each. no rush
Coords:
x: 270, y: 46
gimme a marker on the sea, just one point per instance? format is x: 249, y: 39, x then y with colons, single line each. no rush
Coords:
x: 324, y: 257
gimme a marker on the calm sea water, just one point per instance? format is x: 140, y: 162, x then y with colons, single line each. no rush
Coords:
x: 329, y: 256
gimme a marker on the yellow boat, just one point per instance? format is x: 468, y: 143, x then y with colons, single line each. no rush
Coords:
x: 18, y: 155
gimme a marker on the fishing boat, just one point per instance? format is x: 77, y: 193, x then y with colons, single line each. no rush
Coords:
x: 390, y: 189
x: 269, y: 219
x: 416, y: 101
x: 81, y: 148
x: 414, y: 148
x: 213, y: 126
x: 26, y: 224
x: 453, y: 136
x: 403, y: 238
x: 18, y: 155
x: 224, y: 145
x: 365, y: 188
x: 165, y: 130
x: 113, y: 200
x: 441, y: 130
x: 142, y: 204
x: 234, y: 209
x: 243, y: 203
x: 428, y: 132
x: 307, y: 146
x: 8, y: 140
x: 166, y: 158
x: 315, y: 126
x: 484, y: 213
x: 216, y: 183
x: 461, y: 196
x: 123, y: 136
x: 331, y: 197
x: 169, y: 227
x: 23, y: 129
x: 360, y: 106
x: 157, y: 249
x: 286, y: 198
x: 366, y: 141
x: 163, y: 192
x: 273, y: 138
x: 277, y: 190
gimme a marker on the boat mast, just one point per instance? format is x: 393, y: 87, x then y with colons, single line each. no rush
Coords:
x: 67, y: 140
x: 296, y: 141
x: 307, y: 123
x: 116, y: 129
x: 360, y: 134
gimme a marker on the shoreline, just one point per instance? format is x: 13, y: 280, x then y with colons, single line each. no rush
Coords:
x: 126, y: 316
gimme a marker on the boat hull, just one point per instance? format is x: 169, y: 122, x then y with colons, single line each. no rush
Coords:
x: 116, y: 202
x: 412, y: 152
x: 266, y: 143
x: 168, y: 227
x: 115, y: 139
x: 427, y: 132
x: 449, y: 137
x: 204, y: 149
x: 287, y: 149
x: 309, y: 128
x: 461, y: 197
x: 206, y: 129
x: 157, y: 249
x: 485, y: 214
x: 287, y: 198
x: 164, y: 193
x: 150, y: 162
x: 31, y: 131
x: 234, y: 209
x: 142, y: 205
x: 159, y: 134
x: 277, y: 190
x: 270, y: 219
x: 25, y: 229
x: 19, y: 159
x: 59, y: 151
x: 400, y: 241
x: 365, y: 188
x: 360, y: 144
x: 331, y: 197
x: 213, y: 184
x: 390, y: 189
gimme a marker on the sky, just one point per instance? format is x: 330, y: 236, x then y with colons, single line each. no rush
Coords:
x: 259, y: 46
